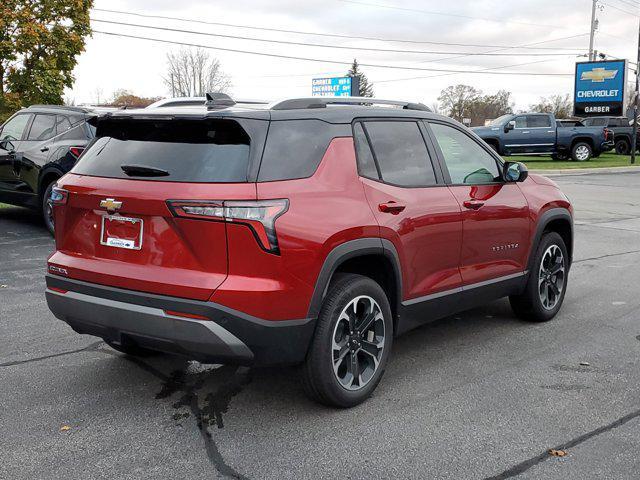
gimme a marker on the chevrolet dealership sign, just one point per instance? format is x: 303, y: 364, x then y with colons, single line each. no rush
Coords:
x: 599, y: 88
x: 335, y: 87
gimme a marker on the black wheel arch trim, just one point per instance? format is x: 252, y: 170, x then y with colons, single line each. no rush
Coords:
x: 46, y: 171
x: 352, y: 249
x: 547, y: 217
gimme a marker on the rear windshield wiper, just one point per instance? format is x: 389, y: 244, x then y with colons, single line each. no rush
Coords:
x: 143, y: 171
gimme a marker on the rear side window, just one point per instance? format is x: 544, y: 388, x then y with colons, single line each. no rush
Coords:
x: 42, y: 128
x: 401, y: 153
x: 295, y: 148
x: 62, y: 124
x: 366, y: 163
x: 538, y: 121
x: 210, y: 151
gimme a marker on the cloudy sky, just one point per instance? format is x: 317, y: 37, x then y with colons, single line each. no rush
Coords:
x: 557, y: 29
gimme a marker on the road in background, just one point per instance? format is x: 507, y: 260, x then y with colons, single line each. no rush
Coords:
x: 478, y: 395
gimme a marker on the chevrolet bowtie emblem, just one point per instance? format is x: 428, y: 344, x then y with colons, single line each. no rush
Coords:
x: 111, y: 205
x: 599, y: 75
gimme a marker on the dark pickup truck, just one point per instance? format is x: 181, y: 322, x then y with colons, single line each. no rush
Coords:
x: 621, y: 128
x: 538, y: 134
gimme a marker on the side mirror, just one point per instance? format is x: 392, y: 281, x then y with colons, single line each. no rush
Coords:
x: 510, y: 126
x: 515, y: 172
x: 8, y: 145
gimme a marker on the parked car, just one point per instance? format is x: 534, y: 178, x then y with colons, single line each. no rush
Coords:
x: 312, y: 232
x: 38, y: 145
x: 538, y: 134
x: 621, y: 128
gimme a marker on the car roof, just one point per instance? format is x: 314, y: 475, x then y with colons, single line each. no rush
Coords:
x: 328, y: 109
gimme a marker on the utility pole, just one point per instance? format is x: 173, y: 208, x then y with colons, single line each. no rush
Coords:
x: 636, y: 106
x: 594, y: 26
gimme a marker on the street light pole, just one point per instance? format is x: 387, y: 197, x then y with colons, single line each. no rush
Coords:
x: 593, y: 29
x: 636, y: 106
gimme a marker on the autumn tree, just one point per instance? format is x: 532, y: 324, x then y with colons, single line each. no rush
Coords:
x: 366, y: 88
x: 465, y: 101
x: 39, y: 44
x: 194, y: 72
x: 560, y: 105
x: 125, y: 98
x: 456, y: 100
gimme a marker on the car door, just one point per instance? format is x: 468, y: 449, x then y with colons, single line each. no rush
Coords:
x: 413, y: 207
x: 12, y: 131
x: 34, y: 152
x: 542, y: 134
x: 516, y: 139
x: 495, y: 213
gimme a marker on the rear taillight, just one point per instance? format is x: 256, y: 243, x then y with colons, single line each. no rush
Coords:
x: 59, y: 196
x: 76, y: 151
x: 260, y: 215
x: 608, y: 134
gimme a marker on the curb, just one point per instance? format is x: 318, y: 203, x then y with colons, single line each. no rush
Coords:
x: 586, y: 171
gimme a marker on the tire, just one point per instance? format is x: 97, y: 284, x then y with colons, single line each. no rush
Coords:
x: 560, y: 156
x: 530, y: 305
x: 581, y: 152
x: 131, y: 349
x: 47, y: 211
x: 332, y: 386
x: 623, y: 147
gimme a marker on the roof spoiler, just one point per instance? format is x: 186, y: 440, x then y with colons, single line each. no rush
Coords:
x: 322, y: 102
x: 216, y: 101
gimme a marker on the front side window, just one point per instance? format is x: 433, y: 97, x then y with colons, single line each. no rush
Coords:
x: 466, y: 160
x: 521, y: 122
x: 401, y: 153
x: 42, y: 128
x: 14, y: 128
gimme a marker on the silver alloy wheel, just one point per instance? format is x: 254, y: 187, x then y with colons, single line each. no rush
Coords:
x: 582, y: 153
x: 551, y: 277
x: 358, y: 342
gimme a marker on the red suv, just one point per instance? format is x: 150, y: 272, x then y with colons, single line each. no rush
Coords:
x: 311, y: 231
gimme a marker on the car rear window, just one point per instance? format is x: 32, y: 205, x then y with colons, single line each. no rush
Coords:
x: 295, y: 148
x: 209, y: 151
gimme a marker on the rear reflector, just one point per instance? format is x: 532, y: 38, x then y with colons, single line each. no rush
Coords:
x: 185, y: 315
x: 259, y: 215
x: 58, y: 290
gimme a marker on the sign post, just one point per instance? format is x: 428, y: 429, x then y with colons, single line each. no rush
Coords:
x: 600, y: 88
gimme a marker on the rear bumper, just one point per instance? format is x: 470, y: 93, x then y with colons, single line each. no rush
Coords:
x: 228, y: 336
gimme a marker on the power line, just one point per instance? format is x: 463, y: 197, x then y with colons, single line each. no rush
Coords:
x: 307, y: 59
x: 506, y: 48
x: 430, y: 12
x: 483, y: 70
x: 631, y: 4
x: 299, y: 32
x: 619, y: 9
x: 340, y: 47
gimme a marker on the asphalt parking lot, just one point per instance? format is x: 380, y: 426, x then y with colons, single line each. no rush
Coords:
x: 478, y: 395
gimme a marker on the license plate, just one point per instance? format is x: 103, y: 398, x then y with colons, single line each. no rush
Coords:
x: 121, y: 232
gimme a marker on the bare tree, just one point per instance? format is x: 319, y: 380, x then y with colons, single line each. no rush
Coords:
x: 194, y: 72
x: 560, y: 105
x: 456, y: 100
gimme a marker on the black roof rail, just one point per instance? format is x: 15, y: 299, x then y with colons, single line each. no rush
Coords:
x: 322, y: 102
x: 215, y: 101
x: 62, y: 107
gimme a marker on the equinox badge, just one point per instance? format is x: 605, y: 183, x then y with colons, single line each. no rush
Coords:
x: 111, y: 205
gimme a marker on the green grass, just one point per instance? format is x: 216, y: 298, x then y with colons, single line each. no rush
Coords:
x: 547, y: 163
x: 4, y: 205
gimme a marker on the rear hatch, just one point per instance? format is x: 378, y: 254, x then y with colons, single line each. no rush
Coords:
x: 117, y: 225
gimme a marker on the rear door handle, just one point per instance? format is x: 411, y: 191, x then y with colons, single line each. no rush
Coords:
x: 473, y: 204
x: 391, y: 207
